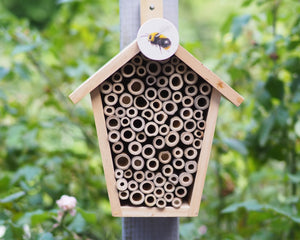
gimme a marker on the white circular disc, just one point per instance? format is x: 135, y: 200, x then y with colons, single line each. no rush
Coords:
x: 158, y: 39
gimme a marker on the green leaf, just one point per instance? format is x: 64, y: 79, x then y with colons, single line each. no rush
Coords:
x: 294, y: 178
x: 89, y: 217
x: 3, y: 72
x: 12, y: 197
x: 275, y: 87
x: 265, y: 130
x: 46, y: 236
x: 23, y: 48
x: 28, y: 172
x: 297, y: 128
x: 237, y: 145
x: 188, y: 231
x: 250, y: 205
x: 78, y: 224
x: 238, y: 24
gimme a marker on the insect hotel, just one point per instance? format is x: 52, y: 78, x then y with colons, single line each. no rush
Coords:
x: 155, y: 113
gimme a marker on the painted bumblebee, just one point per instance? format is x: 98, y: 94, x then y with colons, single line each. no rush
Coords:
x: 160, y: 40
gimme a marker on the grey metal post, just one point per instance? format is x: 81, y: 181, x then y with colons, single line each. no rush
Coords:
x: 155, y: 228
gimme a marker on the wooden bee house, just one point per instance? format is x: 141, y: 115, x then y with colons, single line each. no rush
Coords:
x: 155, y: 123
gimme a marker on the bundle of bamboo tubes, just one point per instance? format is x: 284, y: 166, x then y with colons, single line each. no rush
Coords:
x: 155, y: 117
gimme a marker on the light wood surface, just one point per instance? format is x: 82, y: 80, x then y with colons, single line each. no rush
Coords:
x: 151, y: 9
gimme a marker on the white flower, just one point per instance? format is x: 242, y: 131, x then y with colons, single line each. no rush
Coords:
x: 67, y: 203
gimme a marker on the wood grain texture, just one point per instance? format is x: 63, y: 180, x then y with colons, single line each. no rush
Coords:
x: 209, y: 76
x: 151, y: 9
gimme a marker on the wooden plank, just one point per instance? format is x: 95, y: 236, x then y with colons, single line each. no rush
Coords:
x: 209, y: 76
x: 104, y: 72
x: 107, y: 161
x: 151, y: 9
x: 205, y: 153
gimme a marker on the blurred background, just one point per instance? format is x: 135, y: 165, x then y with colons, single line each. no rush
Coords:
x: 48, y: 146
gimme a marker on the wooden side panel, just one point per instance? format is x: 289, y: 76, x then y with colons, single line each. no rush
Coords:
x: 104, y: 72
x: 209, y: 76
x: 105, y: 152
x: 205, y: 153
x: 151, y: 9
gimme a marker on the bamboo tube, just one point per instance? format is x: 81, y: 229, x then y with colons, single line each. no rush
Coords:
x: 150, y: 80
x: 178, y: 163
x: 160, y: 118
x: 127, y: 135
x: 137, y: 124
x: 124, y: 195
x: 109, y: 110
x: 120, y: 112
x: 191, y: 166
x: 106, y: 88
x: 176, y: 82
x: 164, y: 130
x: 128, y: 70
x: 187, y: 101
x: 164, y: 94
x: 152, y: 164
x: 181, y: 68
x: 177, y: 202
x: 147, y: 187
x: 118, y: 88
x: 168, y: 69
x: 136, y: 86
x: 137, y: 163
x: 148, y: 151
x: 201, y: 124
x: 159, y: 192
x: 198, y: 133
x: 149, y: 175
x: 139, y: 176
x: 147, y: 114
x: 118, y: 147
x: 190, y: 153
x: 140, y: 102
x: 198, y: 115
x: 122, y: 184
x: 159, y: 142
x: 190, y: 125
x: 205, y: 88
x: 133, y: 185
x: 117, y: 77
x: 190, y: 77
x: 177, y: 97
x: 169, y: 107
x: 135, y: 148
x: 141, y: 71
x: 161, y: 203
x: 186, y: 113
x: 167, y: 170
x: 176, y: 124
x: 180, y: 191
x: 173, y: 179
x: 187, y: 138
x: 201, y: 102
x: 151, y: 93
x: 174, y: 60
x: 113, y: 123
x: 153, y: 68
x: 137, y: 197
x: 151, y: 129
x: 125, y: 122
x: 185, y: 179
x: 141, y: 137
x: 197, y: 143
x: 172, y: 139
x: 177, y: 152
x: 156, y: 105
x: 162, y: 81
x: 191, y: 90
x: 114, y: 136
x: 128, y: 174
x: 164, y: 157
x: 150, y: 200
x: 122, y: 161
x: 137, y: 60
x: 125, y: 100
x: 159, y: 180
x: 111, y: 99
x: 132, y: 112
x: 169, y: 197
x: 169, y: 187
x: 119, y: 173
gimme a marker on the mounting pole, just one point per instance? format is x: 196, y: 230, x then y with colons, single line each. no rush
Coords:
x: 132, y: 14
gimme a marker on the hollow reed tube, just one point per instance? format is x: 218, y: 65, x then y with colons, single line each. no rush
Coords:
x: 190, y: 77
x: 136, y: 86
x: 169, y: 196
x: 135, y: 148
x: 191, y: 90
x: 177, y: 97
x: 176, y: 124
x: 159, y: 142
x: 201, y: 124
x: 122, y: 184
x: 147, y: 114
x: 141, y: 137
x: 161, y: 203
x: 118, y: 88
x: 122, y: 161
x: 137, y: 162
x: 151, y: 129
x: 167, y: 170
x: 119, y: 173
x: 205, y: 88
x: 152, y: 164
x: 113, y: 123
x: 160, y: 118
x: 181, y: 68
x: 190, y: 125
x: 156, y: 105
x: 133, y: 185
x: 120, y: 112
x: 109, y: 110
x: 180, y: 191
x: 172, y: 139
x: 150, y: 200
x: 111, y: 99
x: 132, y: 112
x: 159, y: 192
x: 173, y: 178
x: 141, y: 71
x: 114, y: 136
x: 106, y: 88
x: 176, y: 82
x: 148, y: 151
x: 177, y: 152
x: 164, y: 157
x: 137, y: 197
x: 198, y: 133
x: 117, y: 147
x: 159, y: 180
x: 117, y: 77
x: 139, y: 176
x: 153, y: 68
x: 149, y: 175
x: 178, y: 163
x: 177, y: 202
x: 198, y: 115
x: 147, y: 187
x: 174, y: 60
x: 137, y: 124
x: 151, y: 93
x: 191, y: 166
x: 125, y: 122
x: 124, y: 195
x: 128, y: 70
x: 128, y: 173
x: 168, y: 69
x: 186, y: 113
x: 187, y: 101
x: 140, y: 102
x: 169, y: 107
x: 137, y: 60
x: 185, y: 179
x: 187, y: 138
x: 150, y: 80
x: 190, y: 153
x: 125, y: 100
x: 197, y: 143
x: 164, y: 130
x: 169, y: 187
x: 127, y: 135
x: 201, y: 102
x: 164, y: 94
x: 162, y: 81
